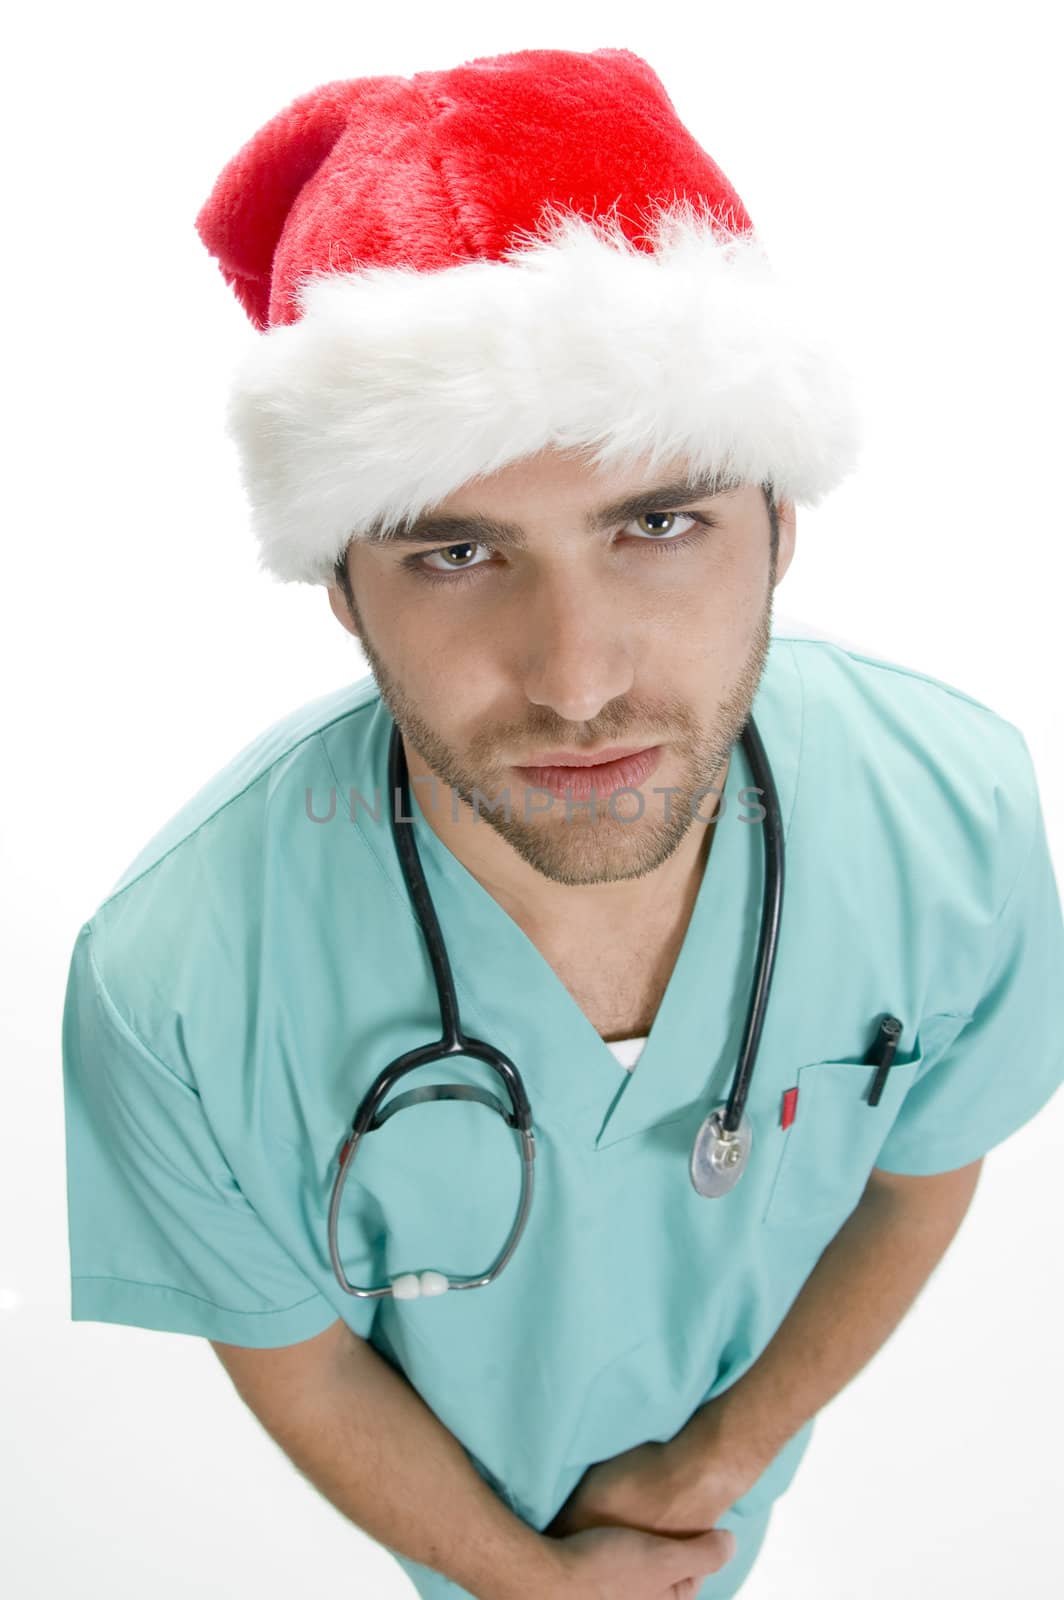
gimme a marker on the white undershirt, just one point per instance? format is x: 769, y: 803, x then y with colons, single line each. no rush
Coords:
x: 627, y: 1051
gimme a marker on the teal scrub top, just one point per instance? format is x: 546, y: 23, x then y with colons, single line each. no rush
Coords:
x: 234, y: 996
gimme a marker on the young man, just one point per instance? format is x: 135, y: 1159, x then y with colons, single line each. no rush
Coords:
x: 531, y: 407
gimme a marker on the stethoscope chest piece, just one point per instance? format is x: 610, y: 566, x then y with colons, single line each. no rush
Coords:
x: 717, y: 1157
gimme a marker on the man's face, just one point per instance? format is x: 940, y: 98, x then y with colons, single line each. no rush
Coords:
x: 649, y: 631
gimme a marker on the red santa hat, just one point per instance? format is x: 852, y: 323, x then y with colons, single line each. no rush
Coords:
x: 454, y: 270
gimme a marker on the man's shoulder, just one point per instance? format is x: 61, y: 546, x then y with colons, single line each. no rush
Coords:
x: 944, y: 765
x: 871, y: 696
x: 210, y: 853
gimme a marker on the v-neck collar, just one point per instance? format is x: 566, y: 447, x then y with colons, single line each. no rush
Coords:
x: 511, y: 997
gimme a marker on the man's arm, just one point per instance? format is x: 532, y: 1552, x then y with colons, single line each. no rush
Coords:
x: 366, y: 1440
x: 858, y: 1292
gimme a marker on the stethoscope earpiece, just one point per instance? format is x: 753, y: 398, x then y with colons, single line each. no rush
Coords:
x: 412, y: 1285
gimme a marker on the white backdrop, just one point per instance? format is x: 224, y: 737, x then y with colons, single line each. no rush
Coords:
x: 904, y: 161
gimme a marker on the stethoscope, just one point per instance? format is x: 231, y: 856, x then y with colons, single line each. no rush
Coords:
x: 722, y: 1144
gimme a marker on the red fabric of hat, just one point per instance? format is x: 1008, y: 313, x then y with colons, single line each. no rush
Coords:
x: 451, y: 271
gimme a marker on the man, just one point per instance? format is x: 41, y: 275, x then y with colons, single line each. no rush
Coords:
x: 550, y: 481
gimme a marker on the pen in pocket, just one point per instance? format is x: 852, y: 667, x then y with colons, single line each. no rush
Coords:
x: 881, y: 1055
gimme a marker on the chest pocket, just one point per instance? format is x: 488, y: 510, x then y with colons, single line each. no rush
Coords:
x: 826, y: 1155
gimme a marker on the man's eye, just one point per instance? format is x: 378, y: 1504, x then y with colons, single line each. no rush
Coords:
x: 660, y: 538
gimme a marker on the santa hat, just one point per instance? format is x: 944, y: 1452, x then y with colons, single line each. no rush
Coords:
x: 455, y: 270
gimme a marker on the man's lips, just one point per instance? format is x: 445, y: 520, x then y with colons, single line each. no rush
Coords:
x: 599, y: 777
x: 577, y: 758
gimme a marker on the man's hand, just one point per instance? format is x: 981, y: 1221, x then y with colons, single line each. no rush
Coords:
x: 623, y: 1564
x: 654, y: 1487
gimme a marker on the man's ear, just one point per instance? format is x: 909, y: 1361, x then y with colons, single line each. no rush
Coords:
x: 786, y: 517
x: 340, y: 608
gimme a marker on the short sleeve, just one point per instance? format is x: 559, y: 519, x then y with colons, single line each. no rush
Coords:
x: 161, y: 1235
x: 1007, y: 1061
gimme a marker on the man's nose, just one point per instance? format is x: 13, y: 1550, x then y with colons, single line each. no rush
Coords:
x: 576, y: 656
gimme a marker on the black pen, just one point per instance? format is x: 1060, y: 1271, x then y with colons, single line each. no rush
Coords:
x: 881, y: 1055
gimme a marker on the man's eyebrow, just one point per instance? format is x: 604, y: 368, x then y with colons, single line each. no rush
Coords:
x: 443, y: 526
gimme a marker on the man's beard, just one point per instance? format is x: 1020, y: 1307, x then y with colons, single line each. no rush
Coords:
x: 572, y: 842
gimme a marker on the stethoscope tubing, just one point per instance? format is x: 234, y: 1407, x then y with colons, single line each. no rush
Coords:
x: 768, y: 937
x: 454, y: 1041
